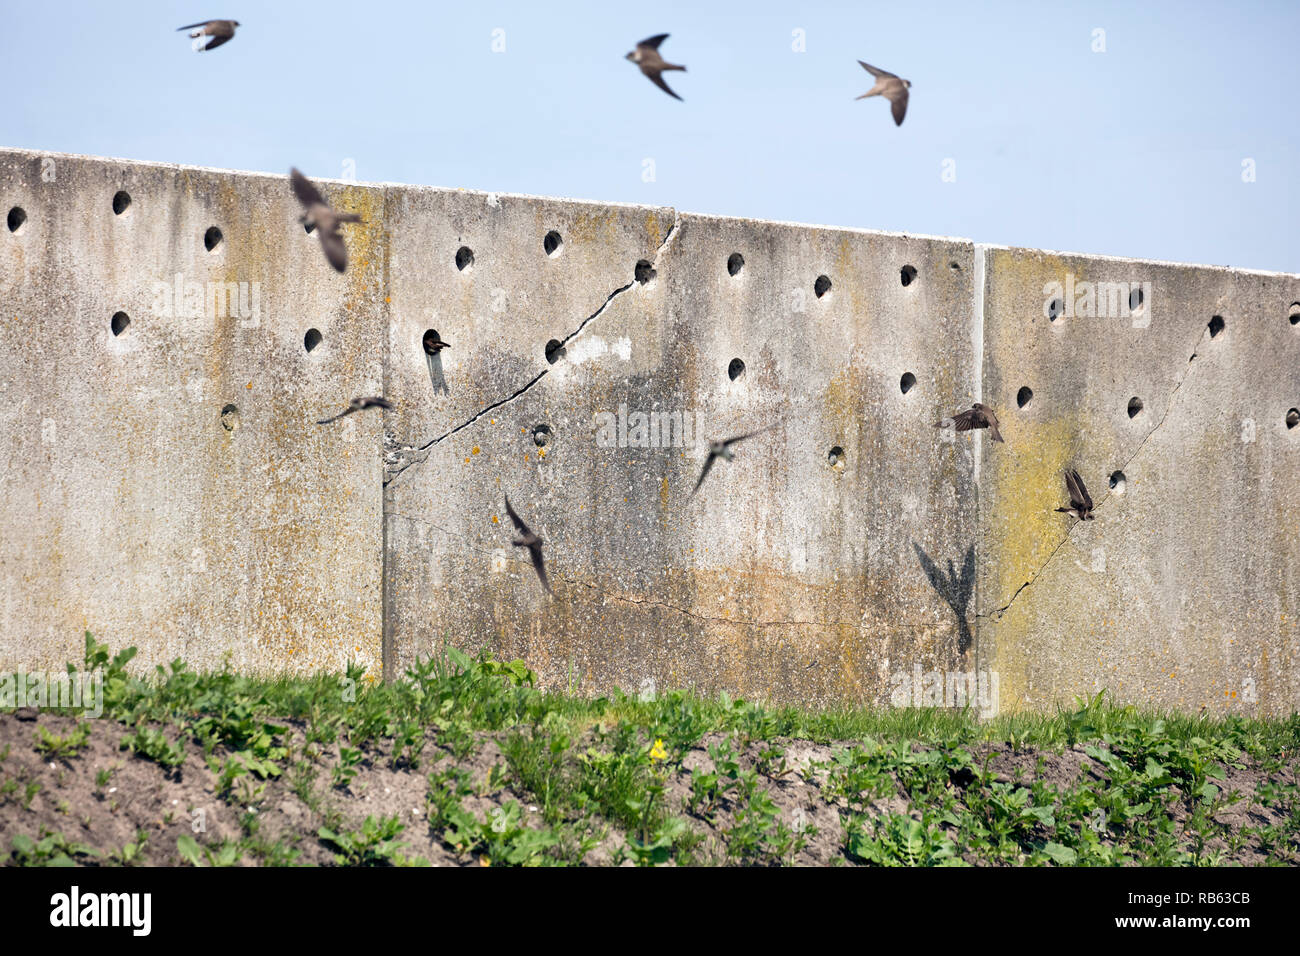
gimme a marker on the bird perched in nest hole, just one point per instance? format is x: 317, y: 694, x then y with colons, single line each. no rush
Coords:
x: 319, y: 216
x: 433, y: 343
x: 221, y: 31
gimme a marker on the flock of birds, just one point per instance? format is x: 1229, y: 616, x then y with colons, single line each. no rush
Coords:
x: 319, y: 217
x: 891, y: 87
x: 645, y: 55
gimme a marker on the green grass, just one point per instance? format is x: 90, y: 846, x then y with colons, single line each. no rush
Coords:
x: 458, y: 695
x: 592, y: 766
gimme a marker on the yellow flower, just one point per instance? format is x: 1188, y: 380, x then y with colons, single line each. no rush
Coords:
x: 657, y: 752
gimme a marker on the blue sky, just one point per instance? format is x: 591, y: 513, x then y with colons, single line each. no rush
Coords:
x: 1137, y: 150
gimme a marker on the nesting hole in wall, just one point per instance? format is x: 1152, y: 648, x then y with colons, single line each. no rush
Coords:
x: 643, y: 272
x: 1024, y: 396
x: 1292, y: 418
x: 907, y: 275
x: 17, y: 216
x: 464, y: 258
x: 230, y: 417
x: 1118, y: 482
x: 822, y: 286
x: 1216, y: 326
x: 552, y: 243
x: 1054, y: 309
x: 309, y: 227
x: 736, y: 369
x: 735, y: 262
x: 555, y: 351
x: 835, y: 458
x: 119, y: 322
x: 907, y: 382
x: 541, y: 435
x: 1135, y: 298
x: 1294, y: 317
x: 212, y: 238
x: 312, y: 340
x: 1134, y: 406
x: 121, y: 202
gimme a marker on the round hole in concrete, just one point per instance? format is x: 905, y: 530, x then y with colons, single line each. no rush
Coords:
x: 1118, y: 482
x: 643, y: 272
x: 735, y: 369
x: 552, y: 243
x: 1292, y: 418
x: 735, y: 262
x: 119, y: 322
x: 1054, y: 309
x: 907, y: 382
x: 16, y: 218
x: 309, y: 227
x: 121, y: 202
x: 1135, y: 298
x: 835, y: 458
x: 211, y: 238
x: 955, y: 266
x: 822, y: 286
x: 1216, y: 326
x: 464, y: 258
x: 1024, y: 396
x: 541, y: 435
x: 907, y: 274
x: 230, y: 417
x: 1294, y: 317
x: 312, y: 340
x: 1134, y: 406
x: 555, y: 351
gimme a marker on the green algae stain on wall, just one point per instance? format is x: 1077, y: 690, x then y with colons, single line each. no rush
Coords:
x: 1022, y: 536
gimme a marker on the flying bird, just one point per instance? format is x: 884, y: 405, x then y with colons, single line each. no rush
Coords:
x: 319, y: 216
x: 358, y: 405
x: 977, y: 416
x: 646, y: 55
x: 722, y: 449
x: 530, y: 541
x: 1080, y: 501
x: 221, y: 31
x: 433, y: 344
x: 891, y: 88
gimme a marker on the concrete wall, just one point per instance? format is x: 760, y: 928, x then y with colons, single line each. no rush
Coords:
x: 131, y: 509
x: 1186, y: 587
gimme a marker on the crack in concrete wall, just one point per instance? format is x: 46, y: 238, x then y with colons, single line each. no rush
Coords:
x: 400, y: 459
x: 1169, y: 406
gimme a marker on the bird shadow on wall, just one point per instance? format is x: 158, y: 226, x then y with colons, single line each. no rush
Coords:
x: 955, y: 590
x: 435, y: 374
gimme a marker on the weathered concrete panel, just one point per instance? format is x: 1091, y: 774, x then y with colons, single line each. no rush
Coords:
x: 463, y: 425
x: 129, y: 508
x: 1185, y: 589
x: 783, y: 577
